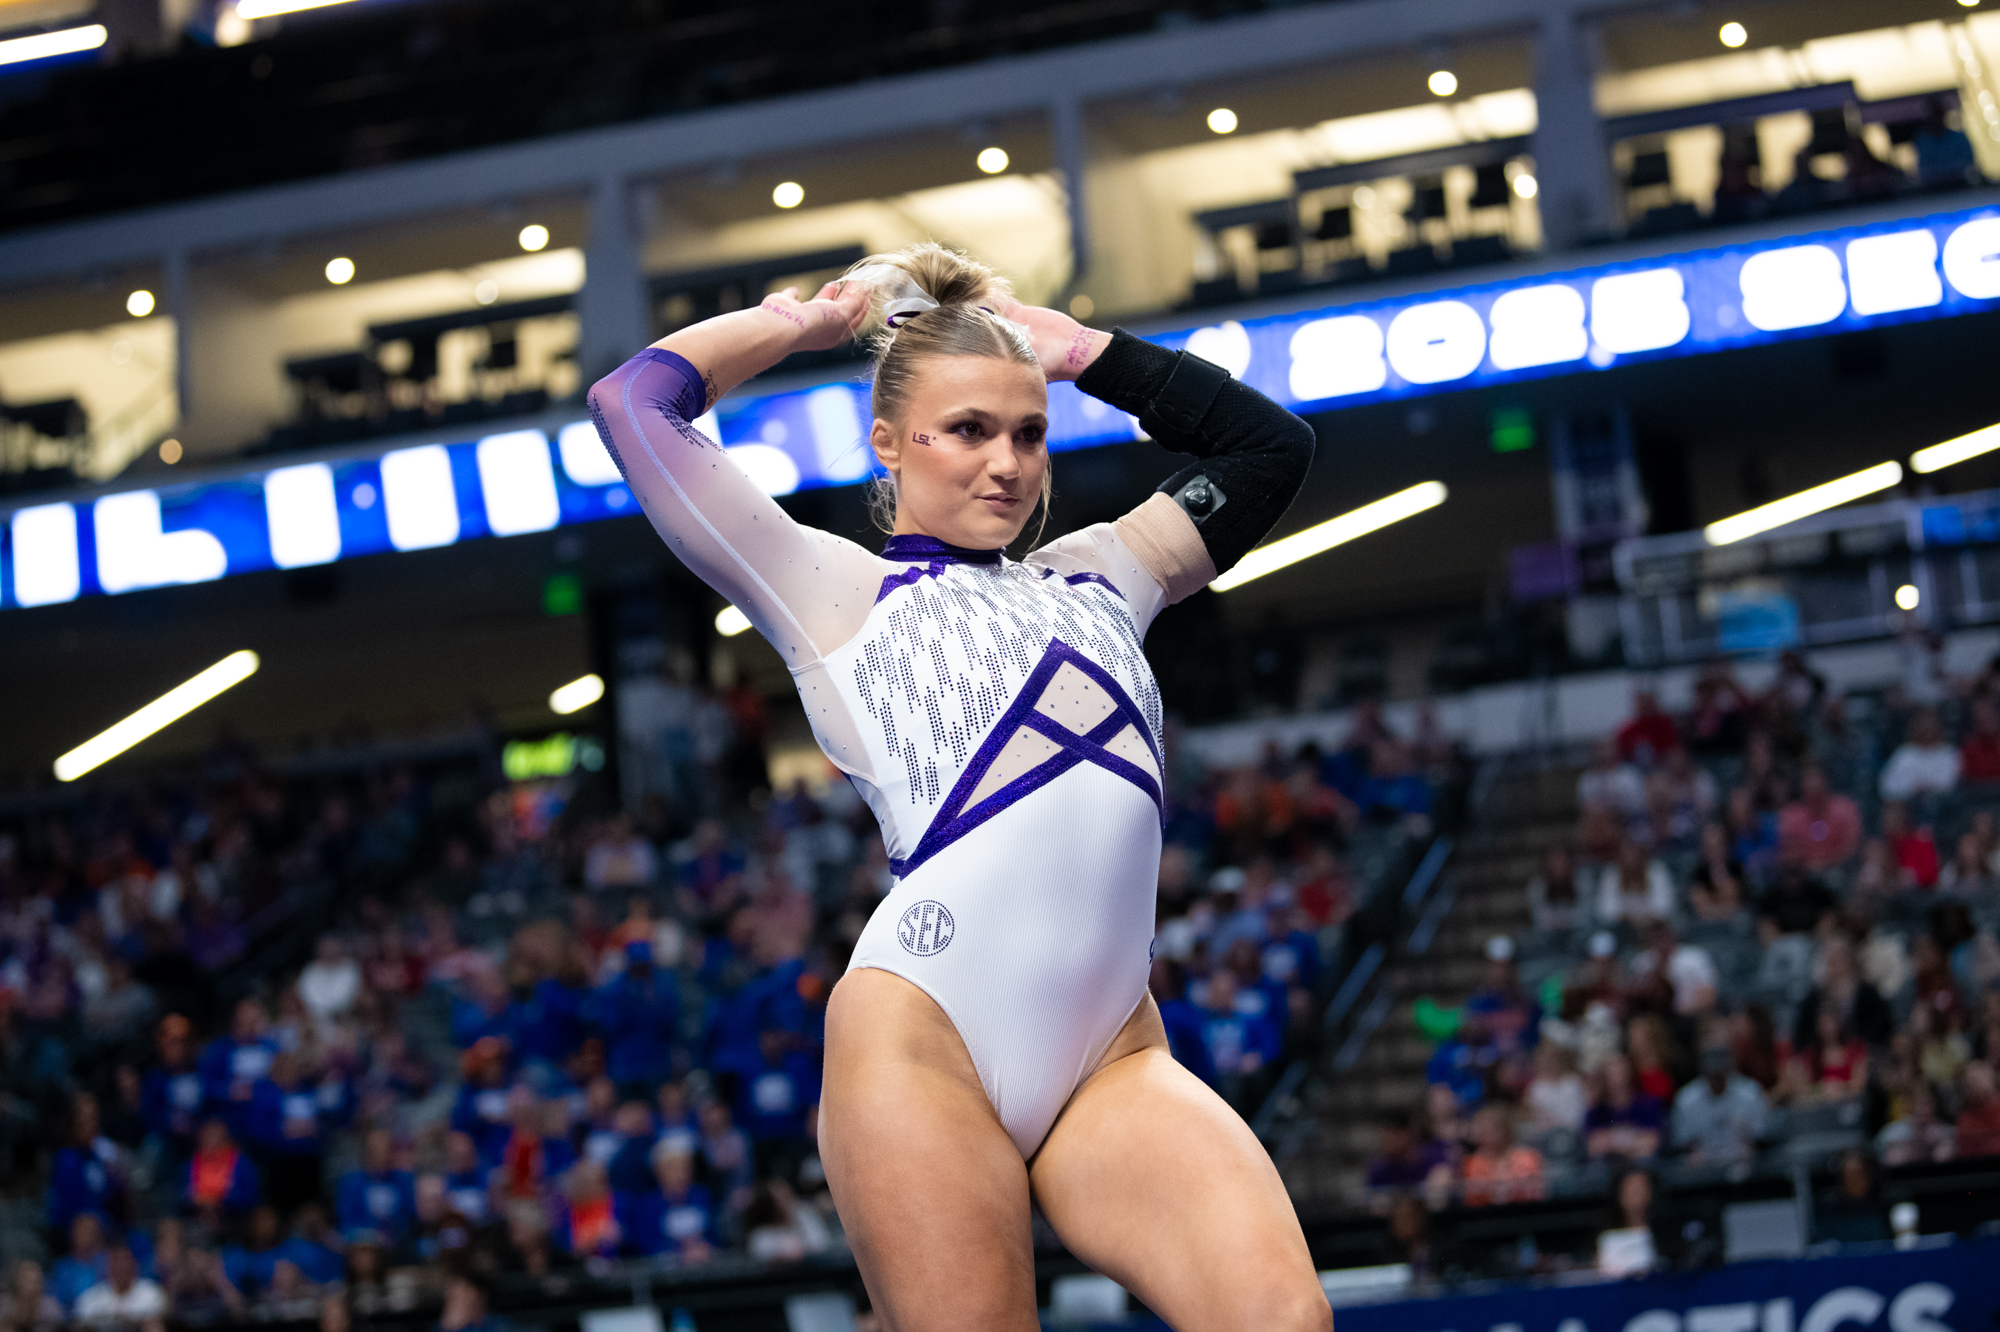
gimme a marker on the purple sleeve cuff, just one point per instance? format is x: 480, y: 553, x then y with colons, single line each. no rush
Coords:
x: 687, y: 398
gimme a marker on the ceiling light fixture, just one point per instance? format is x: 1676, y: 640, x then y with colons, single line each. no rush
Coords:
x: 42, y: 45
x: 1443, y: 82
x: 1222, y: 120
x: 1939, y: 456
x: 1322, y: 537
x: 577, y: 695
x: 257, y: 9
x: 789, y: 194
x: 1804, y: 504
x: 163, y: 711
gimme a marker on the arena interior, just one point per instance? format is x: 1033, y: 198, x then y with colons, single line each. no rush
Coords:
x: 420, y: 897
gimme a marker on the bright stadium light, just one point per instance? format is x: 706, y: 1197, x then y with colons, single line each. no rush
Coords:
x: 256, y: 9
x: 1908, y: 597
x: 1443, y: 82
x: 340, y: 271
x: 1733, y: 35
x: 992, y: 161
x: 163, y: 711
x: 1939, y: 456
x: 730, y: 622
x: 1804, y: 504
x: 788, y: 194
x: 1333, y: 532
x: 1526, y: 186
x: 1222, y: 120
x: 42, y: 45
x: 534, y: 237
x: 577, y: 695
x: 140, y: 304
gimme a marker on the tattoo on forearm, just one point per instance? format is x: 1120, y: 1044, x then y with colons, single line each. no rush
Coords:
x: 708, y: 382
x: 782, y: 313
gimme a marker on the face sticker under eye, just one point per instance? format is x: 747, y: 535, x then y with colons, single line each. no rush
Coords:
x: 921, y: 438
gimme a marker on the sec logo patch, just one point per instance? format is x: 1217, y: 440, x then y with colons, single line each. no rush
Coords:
x: 925, y: 928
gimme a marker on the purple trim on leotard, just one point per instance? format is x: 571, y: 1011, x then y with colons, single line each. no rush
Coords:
x: 909, y: 577
x: 923, y: 549
x: 1074, y: 579
x: 954, y: 821
x: 679, y: 395
x: 686, y: 400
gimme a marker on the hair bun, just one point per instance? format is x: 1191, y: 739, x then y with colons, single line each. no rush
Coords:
x: 947, y: 276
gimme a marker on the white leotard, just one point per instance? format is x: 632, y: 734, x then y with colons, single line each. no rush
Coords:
x: 998, y: 716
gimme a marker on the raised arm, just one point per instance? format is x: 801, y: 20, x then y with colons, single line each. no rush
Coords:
x: 805, y: 590
x: 1252, y: 454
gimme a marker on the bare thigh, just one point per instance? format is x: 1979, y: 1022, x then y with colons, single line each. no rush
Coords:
x: 931, y: 1191
x: 1151, y: 1179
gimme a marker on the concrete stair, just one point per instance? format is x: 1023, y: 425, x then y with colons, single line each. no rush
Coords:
x: 1323, y: 1154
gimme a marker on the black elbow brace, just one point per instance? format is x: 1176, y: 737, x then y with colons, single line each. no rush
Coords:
x: 1254, y: 454
x: 1235, y: 499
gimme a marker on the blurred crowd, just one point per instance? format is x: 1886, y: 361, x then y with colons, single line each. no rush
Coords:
x: 328, y: 1044
x: 1769, y: 938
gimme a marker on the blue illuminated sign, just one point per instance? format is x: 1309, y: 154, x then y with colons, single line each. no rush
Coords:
x: 434, y: 495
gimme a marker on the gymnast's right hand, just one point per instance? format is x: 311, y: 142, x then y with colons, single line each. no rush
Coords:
x: 828, y: 319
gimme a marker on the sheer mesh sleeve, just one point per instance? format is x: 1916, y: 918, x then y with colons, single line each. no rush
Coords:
x: 805, y: 590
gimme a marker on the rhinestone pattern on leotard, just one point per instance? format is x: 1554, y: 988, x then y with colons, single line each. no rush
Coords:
x: 941, y: 659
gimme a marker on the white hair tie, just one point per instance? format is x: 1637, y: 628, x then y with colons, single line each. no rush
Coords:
x: 905, y: 300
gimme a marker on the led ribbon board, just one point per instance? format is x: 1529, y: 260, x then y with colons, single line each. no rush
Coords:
x: 1500, y: 332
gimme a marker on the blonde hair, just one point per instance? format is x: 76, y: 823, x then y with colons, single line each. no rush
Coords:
x: 963, y: 324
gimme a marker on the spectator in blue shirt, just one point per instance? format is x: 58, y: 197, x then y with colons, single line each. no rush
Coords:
x: 481, y: 1110
x: 673, y: 1216
x: 772, y: 1098
x: 726, y: 1163
x: 770, y: 998
x: 466, y: 1180
x: 288, y: 1121
x: 630, y: 1167
x: 1507, y: 1016
x: 250, y: 1266
x: 84, y: 1265
x: 313, y: 1249
x: 170, y: 1095
x: 485, y: 1011
x: 1291, y: 950
x: 1240, y: 1045
x: 231, y: 1065
x: 1258, y: 995
x: 551, y: 1022
x: 86, y: 1174
x: 1393, y: 789
x: 1460, y: 1064
x: 675, y: 1119
x: 1182, y: 1020
x: 639, y: 1012
x: 377, y: 1200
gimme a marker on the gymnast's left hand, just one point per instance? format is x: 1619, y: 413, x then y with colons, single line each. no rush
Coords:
x: 825, y: 321
x: 1064, y: 347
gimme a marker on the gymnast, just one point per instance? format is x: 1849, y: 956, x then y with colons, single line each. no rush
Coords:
x: 993, y: 1045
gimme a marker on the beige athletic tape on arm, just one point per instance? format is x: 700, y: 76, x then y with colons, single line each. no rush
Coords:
x: 1164, y: 539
